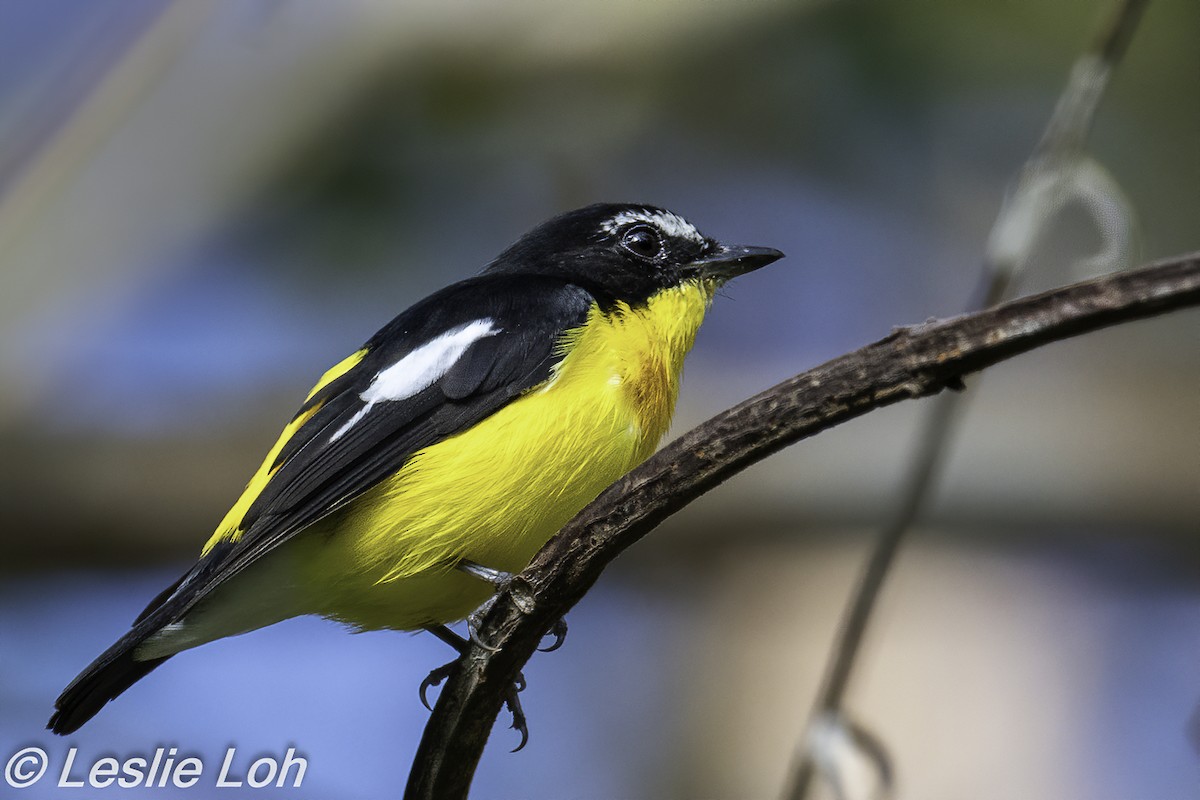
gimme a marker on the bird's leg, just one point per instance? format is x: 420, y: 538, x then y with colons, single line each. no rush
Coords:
x: 498, y: 578
x: 500, y: 581
x: 435, y: 677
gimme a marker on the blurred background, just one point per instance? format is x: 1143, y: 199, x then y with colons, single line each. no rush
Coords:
x: 205, y: 204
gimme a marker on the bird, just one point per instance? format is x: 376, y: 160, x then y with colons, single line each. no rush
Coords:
x: 430, y: 464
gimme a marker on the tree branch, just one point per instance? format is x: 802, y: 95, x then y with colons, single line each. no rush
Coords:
x: 911, y: 362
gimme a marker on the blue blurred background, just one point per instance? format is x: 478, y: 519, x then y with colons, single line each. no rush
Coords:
x: 205, y: 204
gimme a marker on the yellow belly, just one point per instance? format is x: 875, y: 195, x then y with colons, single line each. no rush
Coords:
x: 494, y: 494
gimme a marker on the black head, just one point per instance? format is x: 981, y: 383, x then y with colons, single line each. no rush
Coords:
x: 628, y: 252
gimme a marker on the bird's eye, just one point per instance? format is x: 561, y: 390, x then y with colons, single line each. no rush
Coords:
x: 642, y: 240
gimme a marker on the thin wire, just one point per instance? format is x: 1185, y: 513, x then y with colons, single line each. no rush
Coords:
x: 1062, y: 141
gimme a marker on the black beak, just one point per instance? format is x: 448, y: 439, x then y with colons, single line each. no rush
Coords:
x: 729, y: 261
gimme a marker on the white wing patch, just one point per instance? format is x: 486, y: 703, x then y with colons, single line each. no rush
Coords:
x: 420, y: 368
x: 671, y: 224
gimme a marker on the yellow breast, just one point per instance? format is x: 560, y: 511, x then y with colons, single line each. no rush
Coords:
x: 639, y: 354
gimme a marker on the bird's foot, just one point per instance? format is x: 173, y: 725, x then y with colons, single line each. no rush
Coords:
x: 511, y: 698
x: 437, y: 676
x: 475, y: 622
x: 500, y: 581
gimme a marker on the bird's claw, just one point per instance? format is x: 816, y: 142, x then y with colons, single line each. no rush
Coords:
x: 435, y: 678
x: 518, y: 714
x: 559, y: 631
x: 475, y: 622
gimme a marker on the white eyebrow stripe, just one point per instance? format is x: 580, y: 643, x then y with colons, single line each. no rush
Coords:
x: 420, y: 368
x: 670, y: 224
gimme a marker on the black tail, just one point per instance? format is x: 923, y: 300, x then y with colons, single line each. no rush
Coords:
x: 114, y: 671
x: 104, y: 679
